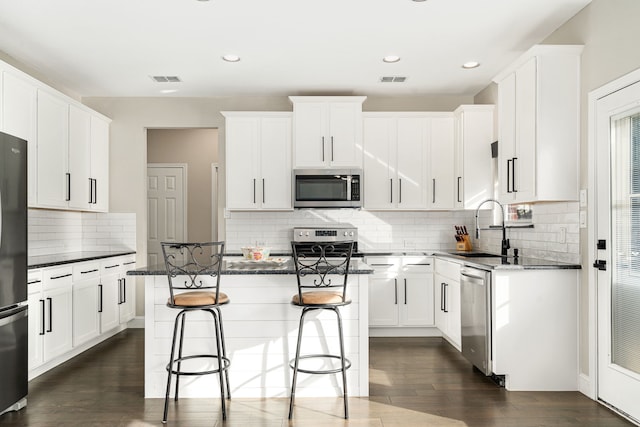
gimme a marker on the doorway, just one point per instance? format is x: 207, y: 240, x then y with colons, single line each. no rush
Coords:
x: 617, y: 238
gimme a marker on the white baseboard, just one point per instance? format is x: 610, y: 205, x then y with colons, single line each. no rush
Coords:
x: 404, y: 332
x: 586, y: 386
x: 136, y: 323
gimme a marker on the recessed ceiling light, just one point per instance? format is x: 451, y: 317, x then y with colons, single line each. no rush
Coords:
x: 419, y: 1
x: 470, y: 64
x: 231, y: 58
x: 168, y: 90
x: 391, y: 58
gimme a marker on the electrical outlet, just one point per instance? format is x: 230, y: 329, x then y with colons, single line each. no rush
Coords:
x: 583, y: 219
x: 583, y: 198
x: 562, y: 235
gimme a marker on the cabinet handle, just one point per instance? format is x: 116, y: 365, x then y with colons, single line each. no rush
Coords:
x: 42, y: 317
x: 112, y: 266
x: 441, y: 296
x: 433, y: 198
x: 100, y: 301
x: 399, y: 190
x: 68, y: 176
x: 405, y: 291
x: 254, y: 190
x: 50, y: 315
x: 32, y: 282
x: 458, y: 183
x: 513, y: 175
x: 61, y: 276
x: 381, y: 265
x: 396, y: 289
x: 90, y: 190
x: 418, y: 263
x: 332, y: 149
x: 124, y: 290
x: 128, y: 263
x: 446, y: 303
x: 391, y: 187
x: 263, y: 198
x: 509, y: 175
x: 119, y: 291
x: 89, y: 271
x: 323, y: 148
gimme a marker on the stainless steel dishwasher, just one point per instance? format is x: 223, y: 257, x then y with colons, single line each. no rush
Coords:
x: 475, y: 305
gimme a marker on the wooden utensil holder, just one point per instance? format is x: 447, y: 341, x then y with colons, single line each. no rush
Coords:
x: 465, y: 244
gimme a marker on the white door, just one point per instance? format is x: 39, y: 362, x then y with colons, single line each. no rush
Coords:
x: 618, y: 226
x: 166, y: 208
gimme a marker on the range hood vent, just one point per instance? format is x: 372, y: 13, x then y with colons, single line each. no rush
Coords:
x: 393, y: 79
x: 166, y: 79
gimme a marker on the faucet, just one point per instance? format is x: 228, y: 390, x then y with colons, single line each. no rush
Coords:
x: 505, y: 241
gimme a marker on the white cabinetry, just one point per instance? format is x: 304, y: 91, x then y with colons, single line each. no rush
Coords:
x: 473, y: 163
x: 447, y: 295
x: 99, y: 176
x: 86, y: 302
x: 401, y: 295
x: 53, y: 139
x: 327, y: 131
x: 258, y: 152
x: 126, y: 291
x: 441, y: 160
x: 50, y: 315
x: 539, y: 110
x: 19, y: 118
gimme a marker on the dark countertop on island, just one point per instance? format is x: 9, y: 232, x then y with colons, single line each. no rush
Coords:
x: 42, y: 261
x: 241, y: 266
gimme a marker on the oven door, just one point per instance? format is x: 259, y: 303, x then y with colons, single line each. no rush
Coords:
x: 324, y: 189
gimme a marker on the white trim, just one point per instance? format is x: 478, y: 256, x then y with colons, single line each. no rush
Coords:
x: 588, y: 384
x: 136, y: 323
x: 185, y: 176
x: 215, y: 170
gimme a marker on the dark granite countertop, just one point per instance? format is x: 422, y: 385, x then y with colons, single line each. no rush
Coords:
x: 41, y: 261
x: 232, y: 265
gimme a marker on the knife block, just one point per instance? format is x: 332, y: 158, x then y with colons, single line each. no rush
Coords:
x: 465, y: 245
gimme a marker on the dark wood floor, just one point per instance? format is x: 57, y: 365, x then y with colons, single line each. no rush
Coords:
x: 414, y: 382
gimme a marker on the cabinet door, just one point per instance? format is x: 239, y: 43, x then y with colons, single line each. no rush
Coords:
x: 85, y: 311
x: 440, y: 293
x: 19, y: 105
x: 417, y: 301
x: 383, y: 301
x: 109, y: 302
x: 275, y: 163
x: 127, y: 299
x: 526, y: 131
x: 379, y: 141
x: 411, y: 158
x: 99, y: 164
x: 242, y: 162
x: 53, y: 134
x: 442, y: 186
x: 345, y: 134
x: 311, y: 144
x: 454, y: 329
x: 58, y: 326
x: 36, y: 328
x: 79, y: 158
x: 507, y: 137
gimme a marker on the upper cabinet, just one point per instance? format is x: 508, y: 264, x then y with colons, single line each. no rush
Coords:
x: 258, y: 160
x: 538, y: 111
x: 68, y: 144
x: 408, y: 159
x: 327, y: 131
x: 473, y: 162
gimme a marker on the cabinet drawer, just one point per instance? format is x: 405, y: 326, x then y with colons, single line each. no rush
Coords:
x: 86, y: 270
x: 448, y: 269
x: 128, y: 262
x: 57, y: 277
x: 417, y: 265
x: 384, y: 264
x: 111, y: 266
x: 34, y: 281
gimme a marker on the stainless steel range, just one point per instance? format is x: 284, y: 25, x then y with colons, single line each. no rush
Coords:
x: 339, y: 233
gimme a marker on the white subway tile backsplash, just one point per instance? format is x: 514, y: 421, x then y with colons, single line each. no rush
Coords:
x: 51, y: 232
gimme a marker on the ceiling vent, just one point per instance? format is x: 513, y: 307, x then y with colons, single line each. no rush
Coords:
x: 393, y: 79
x: 166, y: 79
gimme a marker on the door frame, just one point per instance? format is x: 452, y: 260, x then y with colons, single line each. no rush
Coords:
x: 588, y: 384
x: 185, y: 171
x: 215, y: 170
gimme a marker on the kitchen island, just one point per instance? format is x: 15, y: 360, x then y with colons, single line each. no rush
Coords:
x: 260, y: 327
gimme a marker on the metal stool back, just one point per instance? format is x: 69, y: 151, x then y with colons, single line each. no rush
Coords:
x: 193, y: 273
x: 322, y: 271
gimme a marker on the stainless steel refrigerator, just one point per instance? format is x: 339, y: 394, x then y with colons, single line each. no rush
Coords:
x: 13, y: 273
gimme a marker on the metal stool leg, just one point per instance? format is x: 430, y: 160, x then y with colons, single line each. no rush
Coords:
x: 175, y: 397
x: 170, y: 367
x: 224, y: 352
x: 343, y: 365
x: 296, y: 362
x: 220, y: 363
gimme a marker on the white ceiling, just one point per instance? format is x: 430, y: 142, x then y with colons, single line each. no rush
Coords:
x: 288, y: 47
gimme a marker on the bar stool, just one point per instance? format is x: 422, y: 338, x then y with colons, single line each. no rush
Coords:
x: 323, y: 267
x: 193, y: 272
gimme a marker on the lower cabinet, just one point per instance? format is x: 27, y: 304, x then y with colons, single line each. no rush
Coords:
x: 447, y: 293
x: 50, y: 328
x: 401, y: 292
x: 76, y: 306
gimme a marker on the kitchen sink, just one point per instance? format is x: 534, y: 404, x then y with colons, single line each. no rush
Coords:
x: 475, y: 254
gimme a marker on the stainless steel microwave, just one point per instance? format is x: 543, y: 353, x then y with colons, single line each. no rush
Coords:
x: 327, y: 188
